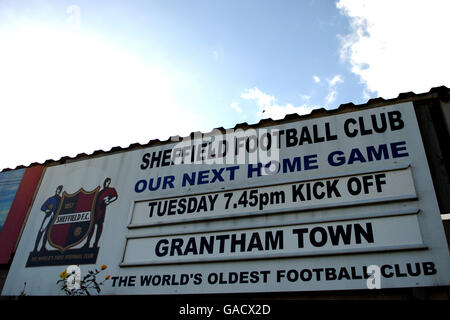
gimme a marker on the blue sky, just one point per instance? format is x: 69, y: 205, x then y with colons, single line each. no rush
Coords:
x: 78, y: 76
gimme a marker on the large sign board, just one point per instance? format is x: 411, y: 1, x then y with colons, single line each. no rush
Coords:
x: 305, y: 205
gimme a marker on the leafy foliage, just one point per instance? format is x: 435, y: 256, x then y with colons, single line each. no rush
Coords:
x: 88, y: 283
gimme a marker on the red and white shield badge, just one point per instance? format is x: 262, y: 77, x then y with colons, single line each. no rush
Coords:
x: 73, y: 219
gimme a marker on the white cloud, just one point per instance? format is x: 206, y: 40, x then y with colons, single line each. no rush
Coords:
x: 331, y: 97
x: 235, y: 106
x: 268, y: 107
x: 305, y: 97
x: 397, y: 46
x: 332, y: 90
x: 335, y: 80
x: 316, y: 79
x: 279, y: 112
x: 263, y: 100
x: 366, y: 94
x: 65, y: 93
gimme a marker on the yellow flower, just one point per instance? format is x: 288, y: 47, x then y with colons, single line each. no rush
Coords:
x: 107, y: 277
x: 63, y: 275
x: 104, y: 266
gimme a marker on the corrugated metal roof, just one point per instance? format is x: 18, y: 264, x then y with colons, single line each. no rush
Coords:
x: 441, y: 93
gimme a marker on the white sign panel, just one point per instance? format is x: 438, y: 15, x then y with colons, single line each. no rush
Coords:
x: 304, y: 205
x: 277, y: 242
x: 299, y: 196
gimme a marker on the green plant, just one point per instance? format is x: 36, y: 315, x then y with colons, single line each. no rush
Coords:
x: 87, y: 283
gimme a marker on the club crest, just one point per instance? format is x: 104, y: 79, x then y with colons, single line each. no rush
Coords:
x: 73, y: 219
x: 69, y: 223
